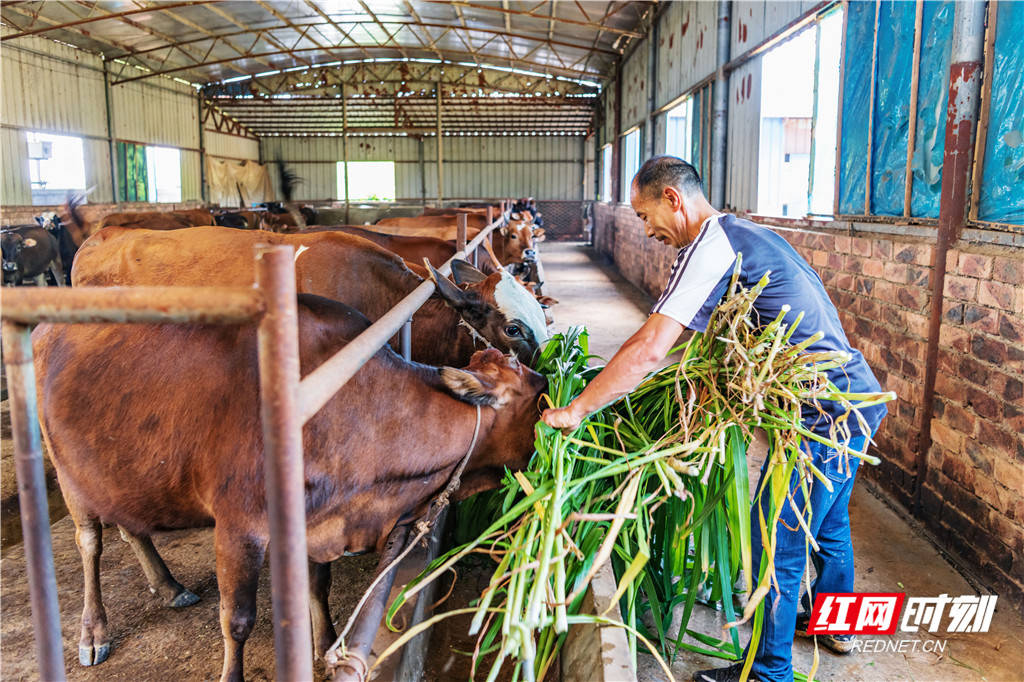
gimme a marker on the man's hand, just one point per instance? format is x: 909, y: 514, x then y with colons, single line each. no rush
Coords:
x: 564, y: 418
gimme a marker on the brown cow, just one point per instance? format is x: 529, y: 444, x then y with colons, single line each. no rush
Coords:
x: 158, y: 220
x: 413, y: 249
x: 183, y: 447
x: 473, y: 222
x: 333, y: 264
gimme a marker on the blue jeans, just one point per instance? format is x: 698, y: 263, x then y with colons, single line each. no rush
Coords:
x: 830, y: 526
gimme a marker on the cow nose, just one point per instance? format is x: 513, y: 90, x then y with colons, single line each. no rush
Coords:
x: 529, y: 254
x: 10, y: 266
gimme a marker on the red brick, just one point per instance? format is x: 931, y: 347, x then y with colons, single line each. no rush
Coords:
x: 861, y: 246
x: 825, y: 242
x: 874, y: 267
x: 952, y: 312
x: 975, y: 265
x: 1013, y: 419
x: 917, y: 325
x: 948, y: 387
x: 917, y: 254
x: 946, y: 437
x: 1011, y: 327
x: 921, y: 277
x: 948, y: 361
x: 983, y: 404
x: 1010, y: 474
x: 954, y: 337
x: 963, y: 288
x: 960, y: 419
x: 896, y: 272
x: 843, y: 243
x: 835, y: 261
x: 884, y: 291
x: 997, y: 295
x: 954, y: 467
x: 981, y: 319
x: 952, y: 258
x: 973, y: 371
x: 995, y: 436
x: 881, y: 249
x: 819, y: 258
x: 1012, y: 388
x: 914, y: 298
x: 1009, y: 270
x: 988, y: 349
x: 844, y: 281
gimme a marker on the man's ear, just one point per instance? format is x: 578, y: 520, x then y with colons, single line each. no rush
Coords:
x: 675, y: 200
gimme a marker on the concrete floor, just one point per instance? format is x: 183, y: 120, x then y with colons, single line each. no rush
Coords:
x: 891, y: 555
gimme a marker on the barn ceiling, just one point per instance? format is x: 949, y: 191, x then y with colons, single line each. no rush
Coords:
x: 278, y: 67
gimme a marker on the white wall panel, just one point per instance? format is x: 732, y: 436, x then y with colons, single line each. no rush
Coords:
x: 163, y: 114
x: 230, y: 146
x: 687, y: 47
x: 744, y: 128
x: 635, y: 77
x: 15, y: 189
x: 747, y: 25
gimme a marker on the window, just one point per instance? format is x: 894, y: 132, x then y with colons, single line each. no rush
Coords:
x: 56, y: 165
x: 630, y: 161
x: 367, y: 180
x: 606, y: 173
x: 163, y: 174
x: 679, y: 132
x: 799, y: 115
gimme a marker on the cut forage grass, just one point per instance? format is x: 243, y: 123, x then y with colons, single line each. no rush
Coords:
x: 655, y: 484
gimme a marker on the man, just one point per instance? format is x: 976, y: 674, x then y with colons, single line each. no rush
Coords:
x: 666, y: 194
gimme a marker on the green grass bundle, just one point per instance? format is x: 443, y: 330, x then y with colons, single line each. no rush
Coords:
x: 656, y: 484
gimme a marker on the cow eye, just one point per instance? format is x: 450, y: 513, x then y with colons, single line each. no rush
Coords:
x: 513, y: 330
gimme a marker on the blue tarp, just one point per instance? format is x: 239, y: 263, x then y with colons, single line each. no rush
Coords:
x: 856, y: 95
x: 891, y: 125
x: 932, y: 96
x: 1002, y: 185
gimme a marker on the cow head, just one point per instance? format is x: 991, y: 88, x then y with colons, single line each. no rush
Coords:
x: 493, y: 379
x: 521, y: 240
x: 12, y: 243
x: 496, y: 307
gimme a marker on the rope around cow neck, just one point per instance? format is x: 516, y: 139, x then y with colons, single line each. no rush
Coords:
x: 423, y: 527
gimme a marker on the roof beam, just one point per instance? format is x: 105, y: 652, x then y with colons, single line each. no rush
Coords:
x: 105, y: 17
x: 531, y: 13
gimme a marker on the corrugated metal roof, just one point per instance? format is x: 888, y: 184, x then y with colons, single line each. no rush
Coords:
x: 501, y: 66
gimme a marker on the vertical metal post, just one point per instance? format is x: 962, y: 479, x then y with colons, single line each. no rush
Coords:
x: 650, y: 144
x: 110, y: 132
x: 344, y: 148
x: 440, y: 150
x: 965, y: 71
x: 720, y: 123
x: 915, y: 75
x: 406, y: 339
x: 204, y: 191
x: 35, y: 515
x: 414, y: 653
x: 981, y: 137
x: 283, y: 463
x: 423, y: 173
x: 839, y: 121
x: 617, y: 144
x: 460, y: 232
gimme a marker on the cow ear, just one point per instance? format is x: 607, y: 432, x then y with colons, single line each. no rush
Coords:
x: 468, y: 387
x: 538, y: 234
x: 504, y: 231
x: 465, y: 273
x: 455, y: 296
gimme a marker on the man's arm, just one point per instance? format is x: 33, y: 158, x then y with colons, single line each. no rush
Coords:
x: 640, y: 354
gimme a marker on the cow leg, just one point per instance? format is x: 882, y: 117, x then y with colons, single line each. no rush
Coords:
x: 160, y: 580
x: 57, y: 270
x: 94, y: 644
x: 319, y: 589
x: 40, y: 279
x: 239, y: 558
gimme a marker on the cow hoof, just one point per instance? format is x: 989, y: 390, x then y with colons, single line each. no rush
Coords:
x: 183, y: 599
x: 93, y: 655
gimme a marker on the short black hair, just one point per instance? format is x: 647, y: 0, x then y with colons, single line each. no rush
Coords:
x: 659, y: 172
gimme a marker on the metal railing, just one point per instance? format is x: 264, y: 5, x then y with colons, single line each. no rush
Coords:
x: 286, y: 404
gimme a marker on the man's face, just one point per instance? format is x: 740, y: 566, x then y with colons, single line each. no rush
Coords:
x: 662, y: 216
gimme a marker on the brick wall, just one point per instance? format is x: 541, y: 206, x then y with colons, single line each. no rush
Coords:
x: 973, y: 495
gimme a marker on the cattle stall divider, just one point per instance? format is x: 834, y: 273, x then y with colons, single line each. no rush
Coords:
x: 286, y: 404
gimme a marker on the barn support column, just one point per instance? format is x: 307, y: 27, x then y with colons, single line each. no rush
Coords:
x: 719, y: 123
x: 652, y: 89
x: 203, y: 190
x: 344, y: 148
x: 110, y: 132
x: 617, y: 144
x: 965, y: 72
x: 440, y: 150
x: 423, y: 173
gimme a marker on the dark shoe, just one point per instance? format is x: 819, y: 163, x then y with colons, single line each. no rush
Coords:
x: 730, y: 674
x: 840, y: 644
